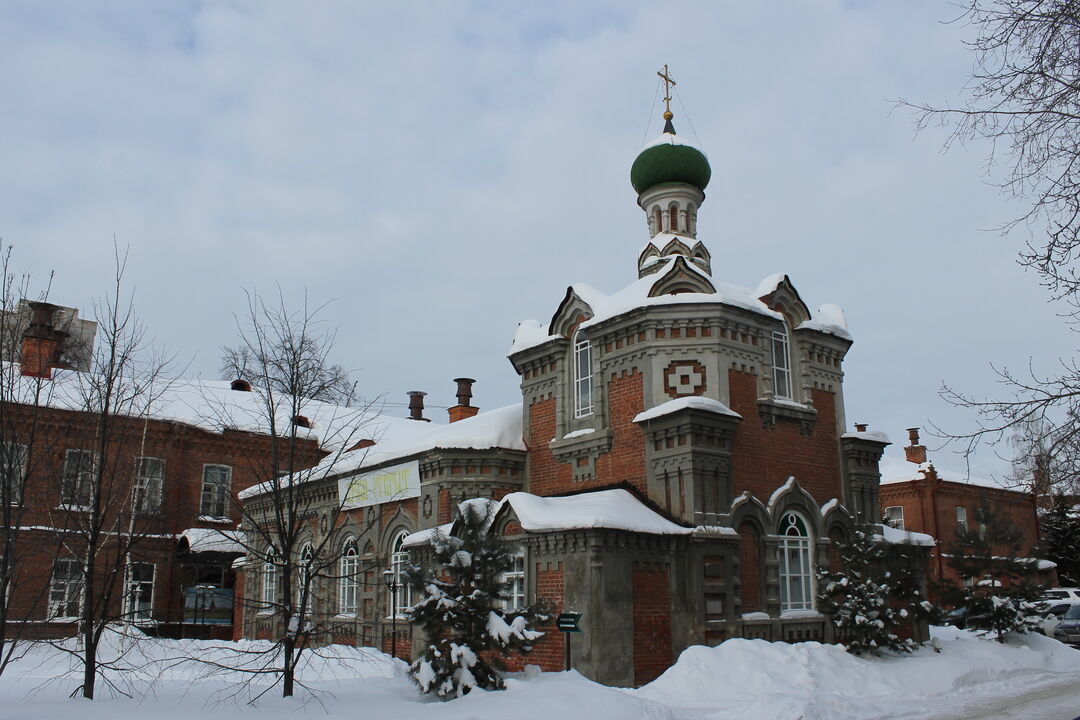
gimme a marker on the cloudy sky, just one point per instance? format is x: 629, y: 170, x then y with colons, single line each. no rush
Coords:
x: 439, y: 171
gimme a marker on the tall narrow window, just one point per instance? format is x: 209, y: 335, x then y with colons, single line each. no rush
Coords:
x: 515, y: 583
x: 65, y: 589
x: 583, y: 385
x: 400, y: 592
x: 12, y: 469
x: 961, y: 520
x: 78, y: 478
x: 270, y: 579
x: 149, y: 478
x: 658, y: 216
x: 348, y: 583
x: 216, y: 490
x: 305, y: 588
x: 673, y: 215
x: 796, y: 592
x: 781, y: 365
x: 139, y: 593
x: 894, y: 515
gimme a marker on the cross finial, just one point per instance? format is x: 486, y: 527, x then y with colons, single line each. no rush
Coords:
x: 669, y: 83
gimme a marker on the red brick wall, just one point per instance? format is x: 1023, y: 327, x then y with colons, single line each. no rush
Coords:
x: 763, y: 458
x: 625, y: 462
x: 652, y: 622
x: 549, y: 651
x: 749, y: 568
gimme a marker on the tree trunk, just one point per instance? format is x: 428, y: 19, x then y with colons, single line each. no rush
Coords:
x: 287, y: 675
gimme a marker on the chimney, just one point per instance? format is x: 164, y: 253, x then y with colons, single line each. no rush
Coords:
x: 861, y: 427
x: 416, y: 405
x: 915, y: 452
x: 40, y: 342
x: 464, y: 394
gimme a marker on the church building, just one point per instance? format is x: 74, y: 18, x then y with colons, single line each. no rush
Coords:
x: 678, y: 467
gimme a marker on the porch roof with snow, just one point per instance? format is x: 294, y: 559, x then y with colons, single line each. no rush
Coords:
x: 200, y: 540
x: 613, y: 509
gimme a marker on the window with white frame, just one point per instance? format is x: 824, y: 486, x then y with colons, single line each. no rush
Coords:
x: 348, y: 581
x: 400, y: 592
x: 583, y: 378
x: 894, y: 516
x: 216, y: 490
x: 305, y: 588
x: 796, y: 570
x: 149, y: 479
x: 961, y: 520
x: 781, y: 353
x: 515, y: 582
x: 270, y: 579
x: 78, y: 478
x: 139, y: 592
x: 65, y: 589
x: 12, y: 468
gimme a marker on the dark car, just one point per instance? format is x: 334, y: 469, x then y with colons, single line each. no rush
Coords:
x: 1068, y: 630
x: 961, y: 617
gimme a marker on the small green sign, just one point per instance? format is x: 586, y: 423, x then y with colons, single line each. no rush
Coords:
x: 568, y: 622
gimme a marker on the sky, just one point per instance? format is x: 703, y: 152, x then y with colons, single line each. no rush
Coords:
x: 436, y: 172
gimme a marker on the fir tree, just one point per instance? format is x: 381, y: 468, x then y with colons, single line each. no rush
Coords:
x: 463, y: 609
x: 1061, y: 540
x: 873, y: 594
x: 998, y: 593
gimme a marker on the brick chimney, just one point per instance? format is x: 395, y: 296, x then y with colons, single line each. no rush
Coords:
x: 41, y: 342
x: 416, y: 405
x: 915, y: 452
x: 464, y: 394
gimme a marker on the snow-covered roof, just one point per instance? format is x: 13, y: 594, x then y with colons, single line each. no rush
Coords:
x: 615, y: 509
x: 895, y: 470
x: 399, y: 438
x: 694, y: 402
x: 423, y: 537
x: 210, y: 405
x: 905, y: 537
x: 211, y: 540
x: 531, y: 333
x: 873, y: 435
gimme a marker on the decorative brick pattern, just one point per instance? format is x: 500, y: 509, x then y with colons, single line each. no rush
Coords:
x: 684, y: 377
x: 548, y: 653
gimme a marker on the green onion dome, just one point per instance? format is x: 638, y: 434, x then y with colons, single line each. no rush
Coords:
x: 668, y: 160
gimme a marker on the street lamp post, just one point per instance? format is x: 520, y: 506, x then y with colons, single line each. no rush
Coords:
x: 391, y: 579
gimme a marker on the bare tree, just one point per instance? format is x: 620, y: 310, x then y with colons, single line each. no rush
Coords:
x: 291, y: 514
x: 1024, y: 100
x: 102, y: 538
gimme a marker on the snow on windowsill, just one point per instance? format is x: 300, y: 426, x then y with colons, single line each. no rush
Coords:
x: 219, y: 520
x: 74, y: 508
x: 577, y: 433
x: 756, y: 616
x: 801, y: 615
x: 344, y: 616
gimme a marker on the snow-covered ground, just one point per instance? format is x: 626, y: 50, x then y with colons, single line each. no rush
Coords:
x: 1029, y: 677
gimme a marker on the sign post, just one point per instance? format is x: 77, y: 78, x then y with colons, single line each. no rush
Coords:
x: 568, y: 623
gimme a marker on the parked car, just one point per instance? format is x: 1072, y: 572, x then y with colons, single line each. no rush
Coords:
x: 1053, y: 613
x: 960, y: 617
x: 1065, y: 594
x: 1068, y: 630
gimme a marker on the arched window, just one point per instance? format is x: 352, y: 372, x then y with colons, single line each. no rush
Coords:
x: 796, y: 572
x: 673, y: 216
x: 781, y: 365
x: 270, y: 578
x: 348, y: 582
x: 583, y: 386
x: 659, y: 219
x: 961, y: 519
x: 398, y: 585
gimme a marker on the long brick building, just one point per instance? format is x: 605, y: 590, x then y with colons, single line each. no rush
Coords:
x: 678, y: 467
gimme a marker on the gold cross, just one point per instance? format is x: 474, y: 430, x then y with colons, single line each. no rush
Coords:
x: 669, y: 82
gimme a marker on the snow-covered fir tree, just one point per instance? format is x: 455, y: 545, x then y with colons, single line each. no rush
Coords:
x: 1060, y: 530
x: 997, y: 592
x: 464, y: 608
x: 872, y: 595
